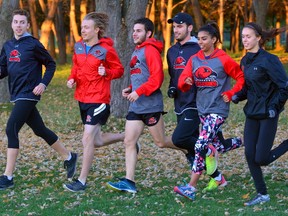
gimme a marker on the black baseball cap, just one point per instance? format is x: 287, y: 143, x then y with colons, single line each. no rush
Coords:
x: 181, y: 18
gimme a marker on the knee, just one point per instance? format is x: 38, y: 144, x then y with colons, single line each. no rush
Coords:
x: 129, y: 143
x: 262, y: 161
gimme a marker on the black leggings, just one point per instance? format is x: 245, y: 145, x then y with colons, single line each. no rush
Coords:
x: 258, y: 141
x: 26, y: 112
x: 186, y: 132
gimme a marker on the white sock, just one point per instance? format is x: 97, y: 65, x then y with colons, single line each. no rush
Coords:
x: 69, y: 157
x: 193, y: 188
x: 208, y: 152
x: 82, y: 182
x: 219, y: 177
x: 9, y: 177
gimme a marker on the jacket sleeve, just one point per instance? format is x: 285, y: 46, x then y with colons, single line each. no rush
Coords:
x: 170, y: 71
x: 233, y: 70
x: 278, y: 76
x: 45, y: 58
x: 187, y: 72
x: 155, y: 67
x: 114, y: 68
x: 3, y: 64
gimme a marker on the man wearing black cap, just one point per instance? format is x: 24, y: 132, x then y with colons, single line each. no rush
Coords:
x: 187, y: 131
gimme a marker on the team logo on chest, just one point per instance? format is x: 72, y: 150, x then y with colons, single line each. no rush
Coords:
x: 179, y: 63
x: 14, y: 56
x: 205, y: 77
x: 134, y: 65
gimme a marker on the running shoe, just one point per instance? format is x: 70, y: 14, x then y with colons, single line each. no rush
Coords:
x: 214, y: 184
x: 124, y: 184
x: 70, y: 165
x: 211, y: 160
x: 186, y: 191
x: 5, y: 182
x: 75, y: 186
x: 258, y: 199
x: 190, y: 159
x: 138, y: 147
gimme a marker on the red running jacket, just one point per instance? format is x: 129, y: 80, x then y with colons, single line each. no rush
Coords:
x: 90, y: 86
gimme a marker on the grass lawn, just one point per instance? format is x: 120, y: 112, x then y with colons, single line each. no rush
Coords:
x: 39, y: 174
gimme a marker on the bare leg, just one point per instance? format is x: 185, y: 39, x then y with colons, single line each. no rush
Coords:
x: 194, y: 179
x: 91, y: 135
x: 11, y: 161
x: 59, y: 148
x: 133, y: 130
x: 158, y: 133
x: 110, y: 138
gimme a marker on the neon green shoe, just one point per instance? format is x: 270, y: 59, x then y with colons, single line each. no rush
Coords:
x: 211, y: 160
x: 214, y: 184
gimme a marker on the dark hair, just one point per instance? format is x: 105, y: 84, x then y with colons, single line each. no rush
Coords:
x: 21, y: 12
x: 101, y: 20
x: 213, y: 29
x: 148, y: 24
x: 265, y: 35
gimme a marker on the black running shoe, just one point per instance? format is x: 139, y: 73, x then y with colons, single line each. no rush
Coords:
x: 70, y: 165
x: 5, y: 182
x: 75, y: 186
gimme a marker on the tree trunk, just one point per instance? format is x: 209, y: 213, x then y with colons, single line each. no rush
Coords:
x: 120, y: 29
x: 83, y: 9
x: 286, y: 41
x: 167, y: 32
x: 61, y: 34
x: 51, y: 46
x: 73, y: 23
x: 221, y: 21
x: 6, y: 33
x: 47, y: 24
x: 150, y: 11
x: 278, y: 37
x: 261, y: 8
x: 34, y: 25
x: 198, y: 18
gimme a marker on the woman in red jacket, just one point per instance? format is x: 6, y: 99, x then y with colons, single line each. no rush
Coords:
x: 210, y: 70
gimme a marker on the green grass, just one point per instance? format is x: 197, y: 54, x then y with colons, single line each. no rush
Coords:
x: 39, y: 174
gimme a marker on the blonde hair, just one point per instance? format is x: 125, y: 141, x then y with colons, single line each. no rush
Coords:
x: 101, y: 20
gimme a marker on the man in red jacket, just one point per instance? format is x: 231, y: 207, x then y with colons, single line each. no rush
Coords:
x: 95, y: 64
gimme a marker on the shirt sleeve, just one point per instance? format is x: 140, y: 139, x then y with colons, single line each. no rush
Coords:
x: 186, y: 73
x: 155, y: 67
x: 233, y: 70
x: 45, y: 58
x: 3, y: 64
x: 114, y: 68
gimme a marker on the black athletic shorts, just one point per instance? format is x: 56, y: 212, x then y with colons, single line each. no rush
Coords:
x: 149, y: 119
x: 94, y: 113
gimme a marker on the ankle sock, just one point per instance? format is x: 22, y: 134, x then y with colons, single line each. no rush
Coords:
x: 69, y: 157
x: 219, y: 177
x: 9, y: 177
x: 82, y: 182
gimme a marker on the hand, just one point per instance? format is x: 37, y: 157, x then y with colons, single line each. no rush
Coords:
x: 101, y: 70
x: 132, y: 96
x: 126, y: 92
x: 225, y: 98
x: 189, y: 81
x: 71, y: 83
x: 39, y: 89
x: 172, y: 92
x: 272, y: 113
x: 235, y: 99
